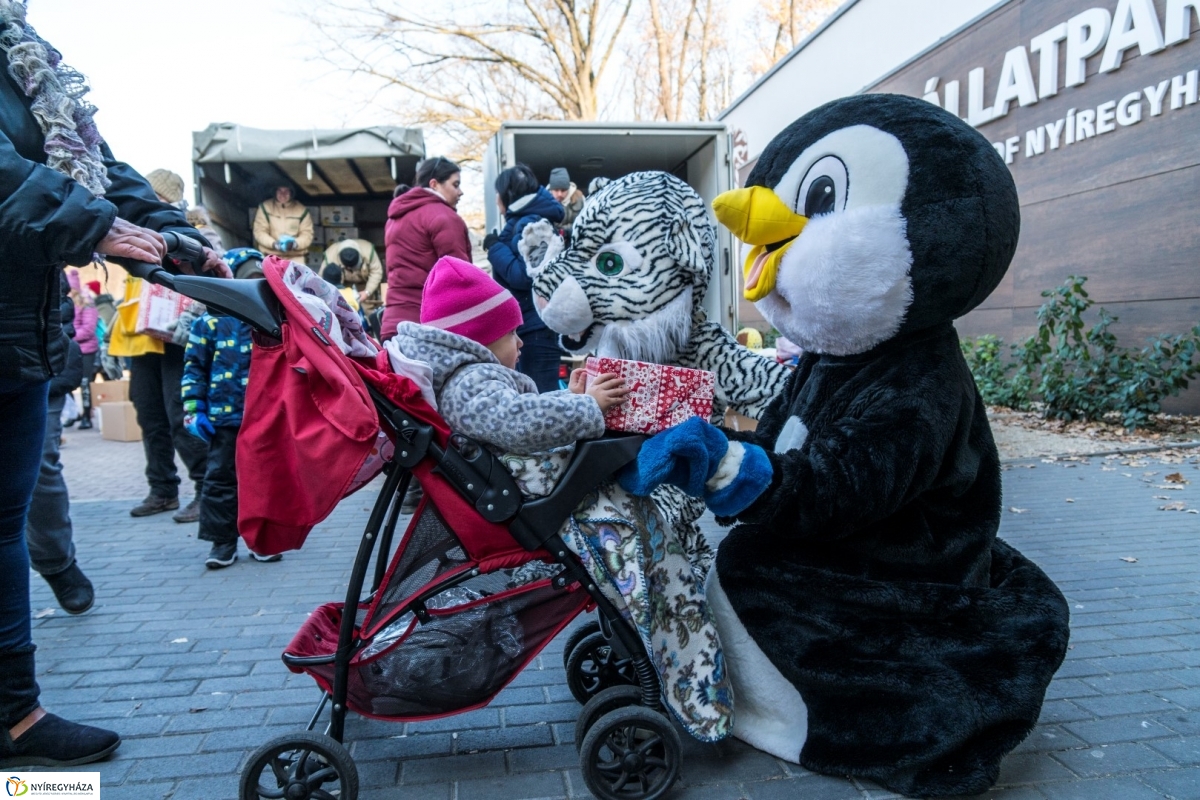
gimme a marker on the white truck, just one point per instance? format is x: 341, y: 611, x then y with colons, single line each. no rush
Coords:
x: 698, y: 153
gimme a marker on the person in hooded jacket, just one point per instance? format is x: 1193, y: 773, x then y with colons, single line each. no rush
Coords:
x: 66, y: 197
x: 422, y: 226
x: 522, y: 201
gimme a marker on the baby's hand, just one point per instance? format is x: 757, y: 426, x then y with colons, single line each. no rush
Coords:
x: 608, y: 390
x: 578, y: 382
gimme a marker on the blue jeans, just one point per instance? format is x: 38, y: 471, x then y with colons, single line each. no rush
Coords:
x: 540, y: 358
x: 22, y: 428
x: 48, y: 532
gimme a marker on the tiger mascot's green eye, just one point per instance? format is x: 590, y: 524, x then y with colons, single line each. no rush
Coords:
x: 609, y: 264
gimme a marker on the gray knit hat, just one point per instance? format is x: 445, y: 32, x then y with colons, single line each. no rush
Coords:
x: 559, y: 179
x: 166, y: 184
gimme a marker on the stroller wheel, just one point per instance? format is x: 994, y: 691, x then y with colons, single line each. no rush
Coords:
x: 578, y: 635
x: 300, y: 766
x: 593, y: 665
x: 610, y: 699
x: 631, y: 753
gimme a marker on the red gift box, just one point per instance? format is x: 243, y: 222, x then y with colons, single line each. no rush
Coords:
x: 159, y: 310
x: 660, y: 396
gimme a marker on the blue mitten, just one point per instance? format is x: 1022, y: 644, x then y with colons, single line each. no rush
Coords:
x: 741, y: 476
x: 686, y: 456
x: 197, y: 425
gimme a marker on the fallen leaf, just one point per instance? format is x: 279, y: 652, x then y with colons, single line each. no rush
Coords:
x: 1070, y: 499
x: 1178, y: 505
x: 1176, y: 477
x: 1172, y: 486
x: 197, y: 710
x: 1161, y: 497
x: 1130, y: 559
x: 1108, y: 469
x: 1193, y: 511
x: 1016, y: 510
x: 1127, y: 474
x: 45, y: 612
x: 180, y: 640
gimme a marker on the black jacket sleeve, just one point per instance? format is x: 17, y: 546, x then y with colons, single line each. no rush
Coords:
x: 72, y: 375
x: 46, y: 218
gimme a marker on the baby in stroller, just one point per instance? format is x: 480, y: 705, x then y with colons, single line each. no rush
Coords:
x: 468, y: 338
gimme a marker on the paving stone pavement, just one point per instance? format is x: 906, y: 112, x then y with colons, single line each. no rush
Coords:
x: 184, y: 661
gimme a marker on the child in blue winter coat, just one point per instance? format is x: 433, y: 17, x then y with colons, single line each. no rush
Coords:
x: 216, y: 369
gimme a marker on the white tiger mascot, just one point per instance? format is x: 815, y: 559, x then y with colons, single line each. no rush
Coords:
x: 631, y: 285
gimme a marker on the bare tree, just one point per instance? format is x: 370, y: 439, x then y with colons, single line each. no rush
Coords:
x: 468, y: 65
x: 782, y: 24
x: 461, y: 67
x: 680, y: 63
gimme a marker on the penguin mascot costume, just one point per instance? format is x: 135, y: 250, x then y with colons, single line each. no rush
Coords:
x: 872, y: 622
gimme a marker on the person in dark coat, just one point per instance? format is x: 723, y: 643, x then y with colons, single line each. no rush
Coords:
x: 522, y: 202
x: 422, y: 226
x: 48, y: 530
x: 65, y: 198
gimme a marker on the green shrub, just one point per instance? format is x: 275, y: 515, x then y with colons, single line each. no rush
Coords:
x: 1081, y: 373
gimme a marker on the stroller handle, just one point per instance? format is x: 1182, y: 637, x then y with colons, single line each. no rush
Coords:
x: 249, y: 300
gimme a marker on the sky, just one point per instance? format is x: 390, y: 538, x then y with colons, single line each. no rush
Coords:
x: 160, y: 69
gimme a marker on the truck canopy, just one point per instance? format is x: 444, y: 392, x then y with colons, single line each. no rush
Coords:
x: 236, y: 168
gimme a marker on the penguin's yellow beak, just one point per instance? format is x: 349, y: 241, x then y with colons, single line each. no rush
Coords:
x: 758, y: 217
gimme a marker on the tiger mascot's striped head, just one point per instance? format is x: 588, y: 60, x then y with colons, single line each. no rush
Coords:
x: 634, y: 277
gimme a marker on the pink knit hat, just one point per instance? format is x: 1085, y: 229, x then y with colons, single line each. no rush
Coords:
x: 461, y: 298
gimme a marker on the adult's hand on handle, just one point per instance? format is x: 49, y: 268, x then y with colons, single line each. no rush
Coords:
x: 126, y: 240
x: 214, y: 265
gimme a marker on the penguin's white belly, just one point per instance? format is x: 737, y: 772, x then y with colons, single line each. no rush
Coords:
x: 768, y: 712
x: 792, y: 437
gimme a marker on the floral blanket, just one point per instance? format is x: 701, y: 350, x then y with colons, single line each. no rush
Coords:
x: 643, y: 566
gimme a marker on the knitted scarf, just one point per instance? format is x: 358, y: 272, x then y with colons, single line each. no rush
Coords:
x: 72, y: 140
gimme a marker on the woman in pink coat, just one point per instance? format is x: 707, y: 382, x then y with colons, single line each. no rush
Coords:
x: 86, y: 317
x: 422, y: 227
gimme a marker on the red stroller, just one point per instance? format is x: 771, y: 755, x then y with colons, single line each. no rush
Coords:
x: 479, y: 583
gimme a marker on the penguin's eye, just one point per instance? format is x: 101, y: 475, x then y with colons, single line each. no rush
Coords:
x: 824, y: 189
x: 609, y: 264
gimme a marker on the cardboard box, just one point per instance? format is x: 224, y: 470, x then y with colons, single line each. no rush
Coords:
x: 333, y: 235
x: 118, y: 422
x: 660, y: 397
x: 109, y: 392
x: 315, y: 258
x: 337, y: 215
x: 739, y: 422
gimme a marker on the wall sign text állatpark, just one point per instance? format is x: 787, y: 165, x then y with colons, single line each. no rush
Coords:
x: 1134, y: 23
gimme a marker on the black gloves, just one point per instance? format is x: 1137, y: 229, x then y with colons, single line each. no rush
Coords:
x: 490, y: 240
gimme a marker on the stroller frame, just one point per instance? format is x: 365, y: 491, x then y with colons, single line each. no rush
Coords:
x: 528, y: 527
x: 621, y: 722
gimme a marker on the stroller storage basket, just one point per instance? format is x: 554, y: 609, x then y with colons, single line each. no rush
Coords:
x: 440, y: 637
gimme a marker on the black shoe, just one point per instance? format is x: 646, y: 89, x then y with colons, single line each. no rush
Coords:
x: 72, y: 589
x: 266, y: 559
x: 153, y: 504
x: 54, y: 742
x: 189, y: 513
x: 85, y: 424
x: 222, y: 555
